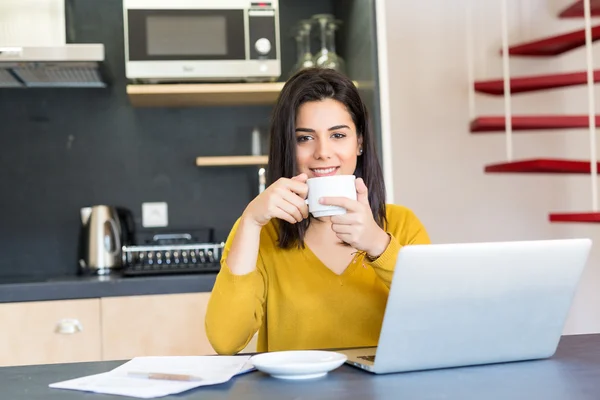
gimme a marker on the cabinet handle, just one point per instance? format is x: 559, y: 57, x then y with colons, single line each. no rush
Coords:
x: 68, y: 326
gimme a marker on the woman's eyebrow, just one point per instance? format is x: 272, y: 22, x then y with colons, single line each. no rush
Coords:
x: 333, y: 128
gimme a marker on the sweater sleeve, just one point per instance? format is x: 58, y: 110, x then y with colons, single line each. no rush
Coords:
x: 236, y: 306
x: 404, y: 229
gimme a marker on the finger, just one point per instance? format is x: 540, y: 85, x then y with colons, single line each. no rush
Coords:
x: 340, y: 228
x: 344, y: 237
x: 304, y: 210
x: 296, y: 200
x: 283, y: 215
x: 291, y: 209
x: 362, y: 193
x: 302, y: 207
x: 292, y: 203
x: 300, y: 178
x: 298, y: 187
x: 344, y: 219
x: 348, y: 204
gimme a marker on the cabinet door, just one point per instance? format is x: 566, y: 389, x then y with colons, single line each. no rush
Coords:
x: 48, y: 332
x: 155, y: 325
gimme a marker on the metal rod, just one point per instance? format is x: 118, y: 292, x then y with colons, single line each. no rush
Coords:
x: 591, y: 102
x: 470, y: 63
x: 506, y: 75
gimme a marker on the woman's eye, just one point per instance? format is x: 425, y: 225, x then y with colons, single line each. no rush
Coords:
x: 339, y: 135
x: 303, y: 138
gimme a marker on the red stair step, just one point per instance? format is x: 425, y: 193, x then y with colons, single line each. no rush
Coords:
x: 554, y: 45
x: 533, y: 83
x: 576, y: 9
x: 590, y: 217
x: 543, y: 166
x: 531, y: 122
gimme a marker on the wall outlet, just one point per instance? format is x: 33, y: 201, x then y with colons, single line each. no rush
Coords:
x: 154, y: 215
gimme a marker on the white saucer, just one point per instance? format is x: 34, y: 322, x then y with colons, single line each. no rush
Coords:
x: 298, y: 364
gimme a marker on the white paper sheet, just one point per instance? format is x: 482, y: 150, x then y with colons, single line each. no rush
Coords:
x: 212, y: 369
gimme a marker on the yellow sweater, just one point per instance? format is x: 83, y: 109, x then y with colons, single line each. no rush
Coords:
x: 295, y: 302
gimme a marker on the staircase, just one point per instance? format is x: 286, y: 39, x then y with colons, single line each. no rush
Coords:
x: 577, y: 10
x: 546, y: 47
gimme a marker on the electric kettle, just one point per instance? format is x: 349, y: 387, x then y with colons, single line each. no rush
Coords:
x: 104, y: 230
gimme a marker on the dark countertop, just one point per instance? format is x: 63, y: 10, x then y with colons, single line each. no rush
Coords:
x: 573, y: 373
x: 77, y: 287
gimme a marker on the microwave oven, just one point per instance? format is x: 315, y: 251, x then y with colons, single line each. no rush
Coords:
x: 201, y: 40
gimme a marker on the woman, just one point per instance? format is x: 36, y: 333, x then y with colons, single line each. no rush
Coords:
x: 304, y: 282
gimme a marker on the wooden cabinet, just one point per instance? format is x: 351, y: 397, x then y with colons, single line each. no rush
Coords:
x: 111, y: 328
x: 50, y: 332
x: 156, y: 325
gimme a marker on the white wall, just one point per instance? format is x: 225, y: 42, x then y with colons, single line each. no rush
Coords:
x: 438, y: 164
x: 32, y: 22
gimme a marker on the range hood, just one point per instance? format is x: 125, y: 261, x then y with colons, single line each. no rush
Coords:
x: 34, y: 52
x: 69, y: 65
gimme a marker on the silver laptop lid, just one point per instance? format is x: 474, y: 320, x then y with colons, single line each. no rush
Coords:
x: 476, y: 303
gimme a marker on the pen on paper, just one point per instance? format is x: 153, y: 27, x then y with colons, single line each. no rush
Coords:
x: 164, y: 376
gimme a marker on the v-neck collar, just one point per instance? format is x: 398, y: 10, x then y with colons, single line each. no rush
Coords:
x: 315, y: 260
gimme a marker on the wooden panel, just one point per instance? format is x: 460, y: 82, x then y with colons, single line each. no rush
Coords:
x: 205, y: 94
x: 231, y: 161
x: 29, y: 332
x: 208, y: 94
x: 156, y: 325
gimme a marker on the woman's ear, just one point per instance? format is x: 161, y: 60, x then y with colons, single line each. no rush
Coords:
x: 359, y: 151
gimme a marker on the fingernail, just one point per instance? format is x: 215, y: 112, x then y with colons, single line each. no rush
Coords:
x: 321, y: 200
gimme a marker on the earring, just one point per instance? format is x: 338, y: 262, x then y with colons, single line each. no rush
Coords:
x: 360, y: 151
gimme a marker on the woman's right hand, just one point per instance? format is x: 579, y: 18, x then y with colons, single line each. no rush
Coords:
x: 283, y: 199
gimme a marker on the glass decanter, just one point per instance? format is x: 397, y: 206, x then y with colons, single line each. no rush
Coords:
x: 304, y: 56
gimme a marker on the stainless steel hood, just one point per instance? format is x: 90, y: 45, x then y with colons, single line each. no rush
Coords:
x: 34, y: 52
x: 69, y: 65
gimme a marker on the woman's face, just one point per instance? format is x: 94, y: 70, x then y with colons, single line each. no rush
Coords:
x: 326, y: 139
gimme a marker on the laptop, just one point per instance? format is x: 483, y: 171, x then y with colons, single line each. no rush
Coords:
x: 453, y: 305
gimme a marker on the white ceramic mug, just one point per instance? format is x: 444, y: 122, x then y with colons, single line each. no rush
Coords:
x: 329, y: 186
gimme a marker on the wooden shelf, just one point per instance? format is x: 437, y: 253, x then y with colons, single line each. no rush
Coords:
x: 227, y: 161
x: 204, y: 94
x: 553, y: 45
x: 543, y: 166
x: 534, y: 83
x: 531, y: 122
x: 586, y: 217
x: 576, y: 9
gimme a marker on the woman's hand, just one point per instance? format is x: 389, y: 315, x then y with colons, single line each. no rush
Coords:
x: 357, y: 227
x: 284, y: 199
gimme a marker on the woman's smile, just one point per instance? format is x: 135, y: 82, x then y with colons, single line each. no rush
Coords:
x: 326, y: 171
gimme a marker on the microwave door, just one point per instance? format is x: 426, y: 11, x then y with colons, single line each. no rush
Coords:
x: 186, y: 35
x: 182, y: 45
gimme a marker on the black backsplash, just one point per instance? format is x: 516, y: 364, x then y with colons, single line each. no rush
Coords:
x: 63, y: 149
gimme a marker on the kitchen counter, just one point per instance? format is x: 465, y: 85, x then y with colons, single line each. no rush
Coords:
x: 78, y: 287
x: 573, y: 373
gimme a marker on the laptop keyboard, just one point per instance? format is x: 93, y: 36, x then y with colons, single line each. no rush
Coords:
x: 367, y: 358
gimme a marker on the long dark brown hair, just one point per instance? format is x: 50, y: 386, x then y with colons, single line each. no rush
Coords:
x: 317, y: 84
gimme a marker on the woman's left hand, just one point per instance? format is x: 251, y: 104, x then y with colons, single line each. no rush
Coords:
x: 357, y: 227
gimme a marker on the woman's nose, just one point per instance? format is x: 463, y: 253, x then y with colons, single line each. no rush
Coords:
x: 322, y: 150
